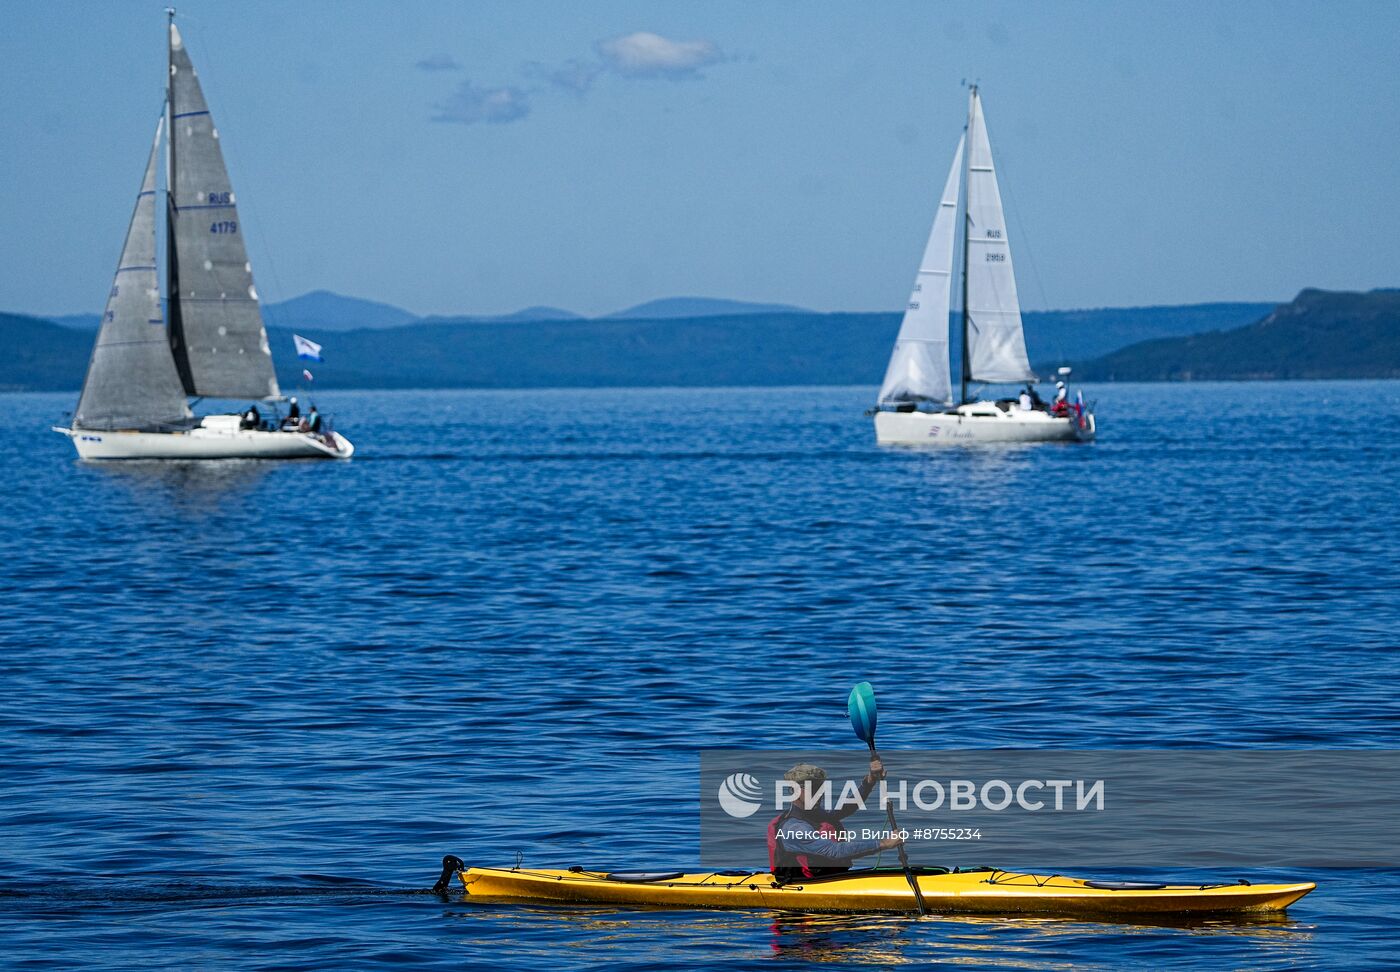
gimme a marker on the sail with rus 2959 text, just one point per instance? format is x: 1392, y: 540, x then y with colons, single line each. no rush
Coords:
x: 131, y: 381
x: 996, y: 344
x: 216, y: 328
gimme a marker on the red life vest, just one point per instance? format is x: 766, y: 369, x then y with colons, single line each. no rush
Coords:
x: 784, y: 864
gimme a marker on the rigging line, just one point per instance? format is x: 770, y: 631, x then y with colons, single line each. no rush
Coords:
x: 1021, y: 233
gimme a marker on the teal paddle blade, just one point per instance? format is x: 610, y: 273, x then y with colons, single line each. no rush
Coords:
x: 861, y: 706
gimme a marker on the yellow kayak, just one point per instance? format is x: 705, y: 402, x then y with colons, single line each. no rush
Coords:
x: 983, y: 891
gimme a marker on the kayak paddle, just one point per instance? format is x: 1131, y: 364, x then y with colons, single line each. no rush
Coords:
x: 861, y: 707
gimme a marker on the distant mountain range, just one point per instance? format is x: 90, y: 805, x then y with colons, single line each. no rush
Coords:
x: 1319, y: 334
x: 326, y: 311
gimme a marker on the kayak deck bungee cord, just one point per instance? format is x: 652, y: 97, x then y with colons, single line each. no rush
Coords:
x: 983, y: 891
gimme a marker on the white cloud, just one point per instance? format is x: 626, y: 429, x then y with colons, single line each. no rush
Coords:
x: 637, y: 55
x: 573, y: 75
x: 471, y: 104
x: 646, y: 55
x: 439, y: 62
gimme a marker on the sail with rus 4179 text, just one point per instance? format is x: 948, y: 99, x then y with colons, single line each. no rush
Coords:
x: 131, y: 380
x: 216, y: 328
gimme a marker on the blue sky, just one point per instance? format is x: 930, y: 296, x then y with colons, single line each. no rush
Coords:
x: 479, y: 157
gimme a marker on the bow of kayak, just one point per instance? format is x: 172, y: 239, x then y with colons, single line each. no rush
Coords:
x: 983, y: 891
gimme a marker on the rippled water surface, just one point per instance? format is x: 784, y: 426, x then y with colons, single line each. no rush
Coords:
x: 246, y: 707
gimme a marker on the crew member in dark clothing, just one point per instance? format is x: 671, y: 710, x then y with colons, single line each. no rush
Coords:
x: 252, y: 418
x: 313, y: 421
x: 803, y: 840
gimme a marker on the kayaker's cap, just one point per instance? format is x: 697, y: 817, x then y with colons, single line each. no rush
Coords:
x: 805, y: 773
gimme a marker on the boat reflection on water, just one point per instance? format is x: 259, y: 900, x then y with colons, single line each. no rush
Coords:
x: 869, y: 939
x: 991, y: 942
x: 608, y: 934
x: 192, y: 487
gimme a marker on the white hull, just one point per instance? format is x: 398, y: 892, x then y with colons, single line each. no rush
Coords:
x: 203, y: 443
x: 980, y: 422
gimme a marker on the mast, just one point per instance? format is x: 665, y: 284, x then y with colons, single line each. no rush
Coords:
x: 967, y: 221
x: 174, y: 326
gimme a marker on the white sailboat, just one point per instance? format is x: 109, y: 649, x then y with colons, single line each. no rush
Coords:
x: 134, y: 403
x: 916, y: 404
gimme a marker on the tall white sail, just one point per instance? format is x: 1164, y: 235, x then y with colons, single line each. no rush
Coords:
x: 131, y: 380
x: 996, y: 344
x: 918, y: 369
x: 216, y: 328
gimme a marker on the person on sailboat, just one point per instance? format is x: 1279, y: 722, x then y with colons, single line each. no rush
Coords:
x: 313, y: 421
x: 803, y: 840
x: 293, y: 420
x: 1037, y: 402
x: 1061, y: 406
x: 252, y: 419
x: 1026, y: 405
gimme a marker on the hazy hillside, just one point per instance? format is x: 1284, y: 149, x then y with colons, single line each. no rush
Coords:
x: 1059, y: 337
x: 799, y: 348
x: 739, y: 350
x: 38, y: 355
x: 672, y: 307
x: 1320, y: 334
x: 83, y: 322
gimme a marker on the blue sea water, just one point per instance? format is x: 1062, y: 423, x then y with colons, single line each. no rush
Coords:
x: 246, y: 707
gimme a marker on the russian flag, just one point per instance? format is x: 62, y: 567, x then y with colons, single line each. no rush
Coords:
x: 309, y: 350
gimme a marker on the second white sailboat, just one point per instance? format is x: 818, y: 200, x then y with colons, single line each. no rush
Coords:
x: 916, y: 404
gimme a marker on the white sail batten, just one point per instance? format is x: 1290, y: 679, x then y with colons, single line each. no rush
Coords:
x: 996, y: 343
x: 918, y: 368
x: 216, y: 328
x: 131, y: 380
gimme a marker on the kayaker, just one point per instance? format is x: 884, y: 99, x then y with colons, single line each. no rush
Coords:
x: 803, y: 839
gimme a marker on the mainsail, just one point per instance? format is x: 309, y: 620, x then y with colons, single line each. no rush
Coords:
x: 131, y: 380
x: 918, y: 369
x: 996, y: 344
x: 216, y: 329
